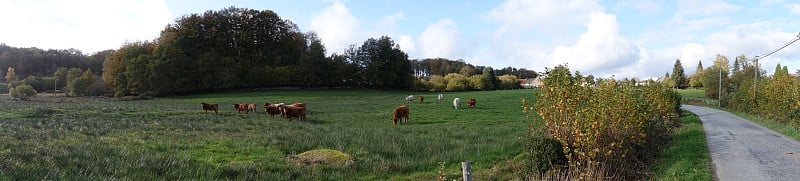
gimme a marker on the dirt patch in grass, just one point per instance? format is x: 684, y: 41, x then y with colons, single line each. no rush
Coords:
x: 323, y: 157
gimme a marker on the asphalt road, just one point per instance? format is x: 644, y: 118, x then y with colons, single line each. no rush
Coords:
x: 743, y: 150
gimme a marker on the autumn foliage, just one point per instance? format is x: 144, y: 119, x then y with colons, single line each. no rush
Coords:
x: 607, y: 129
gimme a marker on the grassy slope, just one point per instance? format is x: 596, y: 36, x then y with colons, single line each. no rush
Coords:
x: 687, y: 156
x: 171, y: 138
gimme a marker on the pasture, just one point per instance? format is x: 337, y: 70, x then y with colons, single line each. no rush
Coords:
x: 172, y: 138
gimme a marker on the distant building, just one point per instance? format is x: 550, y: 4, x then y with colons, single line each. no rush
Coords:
x: 530, y: 83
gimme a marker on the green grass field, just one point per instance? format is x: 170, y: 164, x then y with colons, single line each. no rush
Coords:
x: 171, y: 138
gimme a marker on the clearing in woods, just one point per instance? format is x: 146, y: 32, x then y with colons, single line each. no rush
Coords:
x: 172, y: 138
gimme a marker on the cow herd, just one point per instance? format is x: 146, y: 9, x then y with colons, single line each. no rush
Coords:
x: 401, y: 112
x: 298, y: 109
x: 295, y: 110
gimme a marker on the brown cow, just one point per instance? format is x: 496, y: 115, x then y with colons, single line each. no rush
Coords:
x: 272, y: 109
x: 290, y: 111
x: 471, y: 102
x: 209, y: 107
x: 240, y: 107
x: 421, y: 98
x: 400, y: 113
x: 251, y: 107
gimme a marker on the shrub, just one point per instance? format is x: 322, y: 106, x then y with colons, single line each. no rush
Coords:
x: 456, y: 82
x: 24, y: 92
x: 438, y: 83
x: 509, y: 82
x: 3, y: 88
x: 616, y: 128
x: 544, y: 153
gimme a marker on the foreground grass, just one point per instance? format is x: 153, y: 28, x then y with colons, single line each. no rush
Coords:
x: 172, y: 139
x: 687, y: 156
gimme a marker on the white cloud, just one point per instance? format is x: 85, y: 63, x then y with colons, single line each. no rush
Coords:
x: 551, y: 16
x: 600, y: 50
x: 693, y: 52
x: 704, y: 8
x: 441, y: 39
x: 89, y: 26
x: 795, y: 8
x: 406, y: 43
x: 645, y: 7
x: 336, y: 27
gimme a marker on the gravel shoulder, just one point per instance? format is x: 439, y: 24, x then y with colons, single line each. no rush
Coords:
x: 743, y: 150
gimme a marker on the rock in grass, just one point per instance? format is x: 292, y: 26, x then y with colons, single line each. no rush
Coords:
x: 324, y: 157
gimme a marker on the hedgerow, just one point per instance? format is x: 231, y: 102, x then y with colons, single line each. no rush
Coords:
x: 607, y: 129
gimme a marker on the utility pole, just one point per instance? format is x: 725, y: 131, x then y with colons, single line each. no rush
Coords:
x: 719, y: 96
x: 755, y: 78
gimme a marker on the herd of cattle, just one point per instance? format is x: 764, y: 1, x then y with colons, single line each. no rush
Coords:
x: 401, y: 112
x: 298, y: 109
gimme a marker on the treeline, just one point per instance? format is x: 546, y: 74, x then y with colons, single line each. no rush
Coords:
x: 776, y: 97
x: 239, y: 48
x: 598, y: 128
x: 51, y: 70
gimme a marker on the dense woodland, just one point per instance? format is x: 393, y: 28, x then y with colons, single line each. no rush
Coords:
x: 237, y: 48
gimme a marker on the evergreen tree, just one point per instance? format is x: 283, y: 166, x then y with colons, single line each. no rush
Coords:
x: 678, y: 76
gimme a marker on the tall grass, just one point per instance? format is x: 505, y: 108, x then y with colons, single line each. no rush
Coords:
x: 171, y: 138
x: 686, y: 157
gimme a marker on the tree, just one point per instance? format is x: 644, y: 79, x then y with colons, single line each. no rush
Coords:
x: 61, y: 77
x: 24, y: 92
x: 10, y: 74
x: 80, y: 86
x: 490, y: 78
x: 785, y: 70
x: 696, y: 79
x: 456, y: 82
x: 778, y: 71
x: 386, y: 66
x: 678, y: 76
x: 467, y: 70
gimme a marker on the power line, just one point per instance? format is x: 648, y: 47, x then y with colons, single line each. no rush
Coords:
x: 779, y: 49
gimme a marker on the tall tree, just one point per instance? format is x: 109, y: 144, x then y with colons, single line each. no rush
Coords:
x: 678, y: 76
x: 10, y: 74
x: 386, y: 66
x: 778, y: 71
x: 490, y: 78
x: 61, y: 77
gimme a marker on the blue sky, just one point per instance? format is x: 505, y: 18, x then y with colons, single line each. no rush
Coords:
x: 623, y: 38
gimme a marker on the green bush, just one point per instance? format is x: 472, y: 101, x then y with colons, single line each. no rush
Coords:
x: 24, y: 92
x: 3, y: 88
x: 544, y: 153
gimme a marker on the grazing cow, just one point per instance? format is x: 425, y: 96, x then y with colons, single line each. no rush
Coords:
x: 299, y: 104
x: 441, y: 96
x: 210, y: 107
x: 251, y: 107
x: 272, y: 109
x: 290, y: 111
x: 471, y: 102
x: 457, y: 102
x: 421, y: 98
x: 410, y: 98
x: 240, y: 107
x: 400, y: 113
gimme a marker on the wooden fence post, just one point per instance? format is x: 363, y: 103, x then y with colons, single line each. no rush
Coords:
x: 466, y: 171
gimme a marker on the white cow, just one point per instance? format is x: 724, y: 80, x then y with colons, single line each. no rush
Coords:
x: 441, y: 96
x: 410, y: 98
x: 457, y: 102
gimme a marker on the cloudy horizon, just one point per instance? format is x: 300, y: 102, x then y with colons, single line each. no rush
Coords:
x: 624, y: 38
